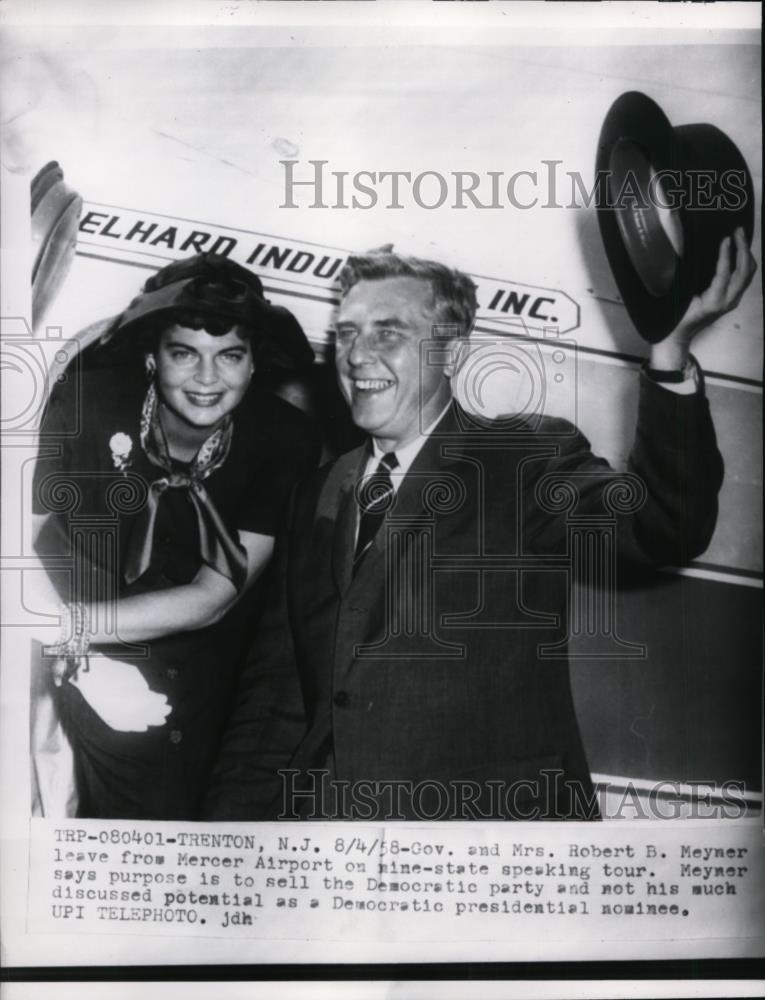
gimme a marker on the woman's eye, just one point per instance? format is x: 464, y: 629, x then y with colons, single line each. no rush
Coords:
x: 233, y: 359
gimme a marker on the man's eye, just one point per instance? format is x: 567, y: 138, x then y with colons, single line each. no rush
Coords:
x: 178, y: 354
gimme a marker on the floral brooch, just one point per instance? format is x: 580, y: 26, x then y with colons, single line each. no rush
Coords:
x: 121, y: 446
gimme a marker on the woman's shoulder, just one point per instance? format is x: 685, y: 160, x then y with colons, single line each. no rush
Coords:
x: 85, y: 399
x: 102, y: 387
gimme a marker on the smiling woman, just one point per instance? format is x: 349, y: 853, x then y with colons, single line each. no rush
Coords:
x: 167, y: 476
x: 200, y: 379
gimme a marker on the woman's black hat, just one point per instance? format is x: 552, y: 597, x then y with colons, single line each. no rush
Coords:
x: 209, y: 284
x: 670, y: 196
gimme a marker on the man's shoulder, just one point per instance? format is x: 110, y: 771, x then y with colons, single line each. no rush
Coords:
x: 342, y: 470
x: 324, y: 487
x: 530, y: 442
x: 512, y: 427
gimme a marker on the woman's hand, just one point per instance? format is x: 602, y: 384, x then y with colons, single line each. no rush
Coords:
x: 723, y: 295
x: 118, y: 693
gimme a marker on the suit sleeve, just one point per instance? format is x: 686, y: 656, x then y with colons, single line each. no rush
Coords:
x: 267, y: 721
x: 665, y: 506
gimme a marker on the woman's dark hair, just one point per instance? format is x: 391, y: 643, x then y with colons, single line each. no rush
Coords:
x: 129, y: 348
x: 145, y: 335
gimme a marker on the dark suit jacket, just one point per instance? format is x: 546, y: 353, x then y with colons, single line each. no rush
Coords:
x: 436, y: 663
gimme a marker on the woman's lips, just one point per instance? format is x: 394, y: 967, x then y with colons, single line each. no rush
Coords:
x: 204, y: 398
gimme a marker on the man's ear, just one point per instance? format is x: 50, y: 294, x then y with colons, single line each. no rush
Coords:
x: 456, y: 352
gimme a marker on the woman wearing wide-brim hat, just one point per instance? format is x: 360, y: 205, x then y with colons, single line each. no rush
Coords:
x: 162, y: 475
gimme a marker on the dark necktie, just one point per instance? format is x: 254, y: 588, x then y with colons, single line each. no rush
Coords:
x: 374, y: 500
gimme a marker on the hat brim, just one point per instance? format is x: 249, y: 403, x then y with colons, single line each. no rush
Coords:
x: 56, y: 210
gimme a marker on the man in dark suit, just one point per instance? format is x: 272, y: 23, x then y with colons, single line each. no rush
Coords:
x: 413, y: 661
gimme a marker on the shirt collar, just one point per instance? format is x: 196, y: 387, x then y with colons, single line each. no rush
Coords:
x: 407, y: 454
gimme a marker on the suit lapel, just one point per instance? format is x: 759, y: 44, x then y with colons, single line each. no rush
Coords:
x: 429, y: 463
x: 351, y: 468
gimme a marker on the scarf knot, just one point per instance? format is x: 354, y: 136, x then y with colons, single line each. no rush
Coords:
x: 217, y: 548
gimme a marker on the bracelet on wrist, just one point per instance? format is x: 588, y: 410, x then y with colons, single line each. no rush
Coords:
x: 74, y: 640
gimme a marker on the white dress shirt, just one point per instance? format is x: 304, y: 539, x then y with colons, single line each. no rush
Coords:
x: 404, y: 455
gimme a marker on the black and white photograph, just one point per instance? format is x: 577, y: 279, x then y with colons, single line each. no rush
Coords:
x: 382, y: 485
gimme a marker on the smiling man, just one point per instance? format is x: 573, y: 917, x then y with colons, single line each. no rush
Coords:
x: 400, y: 673
x: 380, y: 327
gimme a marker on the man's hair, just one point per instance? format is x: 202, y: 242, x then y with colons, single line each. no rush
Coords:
x: 454, y: 300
